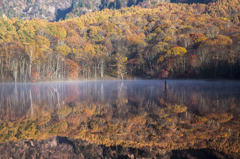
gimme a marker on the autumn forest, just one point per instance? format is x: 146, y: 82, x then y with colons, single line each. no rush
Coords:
x: 166, y: 40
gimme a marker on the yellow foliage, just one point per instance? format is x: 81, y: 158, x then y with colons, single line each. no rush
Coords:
x: 199, y: 119
x: 43, y: 119
x: 161, y: 48
x: 42, y: 41
x: 64, y: 110
x: 62, y: 33
x: 135, y: 38
x: 160, y: 59
x: 63, y: 49
x: 176, y: 51
x: 221, y: 118
x: 120, y: 31
x: 158, y: 30
x: 170, y: 31
x: 89, y: 50
x: 34, y: 51
x: 63, y: 126
x: 177, y: 108
x: 151, y: 36
x: 59, y: 128
x: 89, y: 111
x: 200, y: 39
x: 92, y: 32
x: 167, y: 39
x: 220, y: 40
x: 168, y: 119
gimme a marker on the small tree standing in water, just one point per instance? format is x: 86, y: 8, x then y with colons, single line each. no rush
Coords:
x: 164, y: 75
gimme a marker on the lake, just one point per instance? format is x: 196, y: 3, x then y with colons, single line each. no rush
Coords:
x: 142, y: 117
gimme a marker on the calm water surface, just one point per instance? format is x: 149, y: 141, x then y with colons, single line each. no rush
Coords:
x: 187, y: 114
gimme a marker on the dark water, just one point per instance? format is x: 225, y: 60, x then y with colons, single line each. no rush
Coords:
x: 187, y: 114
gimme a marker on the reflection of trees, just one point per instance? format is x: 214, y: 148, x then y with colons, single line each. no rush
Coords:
x: 101, y: 124
x: 123, y: 99
x: 71, y: 93
x: 12, y: 108
x: 206, y: 102
x: 119, y: 113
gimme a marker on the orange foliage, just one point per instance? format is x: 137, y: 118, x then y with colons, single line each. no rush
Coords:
x: 195, y: 36
x: 34, y: 75
x: 5, y: 57
x: 72, y: 41
x: 71, y: 69
x: 220, y: 40
x: 135, y: 38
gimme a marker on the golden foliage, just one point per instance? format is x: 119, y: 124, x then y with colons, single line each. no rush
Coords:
x: 219, y: 40
x: 64, y: 111
x: 220, y: 118
x: 45, y: 118
x: 167, y: 39
x: 63, y: 49
x: 177, y: 108
x: 198, y: 120
x: 176, y: 51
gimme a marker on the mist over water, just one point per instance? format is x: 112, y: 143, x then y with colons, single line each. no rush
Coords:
x: 18, y: 99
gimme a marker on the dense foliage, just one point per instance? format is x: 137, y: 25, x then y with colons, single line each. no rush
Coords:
x: 196, y: 41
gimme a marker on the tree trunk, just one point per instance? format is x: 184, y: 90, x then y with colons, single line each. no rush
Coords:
x: 150, y: 64
x: 102, y: 68
x: 95, y: 69
x: 121, y: 73
x: 31, y: 104
x: 2, y: 70
x: 30, y: 65
x: 15, y: 71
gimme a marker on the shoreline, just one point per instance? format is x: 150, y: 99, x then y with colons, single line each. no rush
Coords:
x: 139, y: 79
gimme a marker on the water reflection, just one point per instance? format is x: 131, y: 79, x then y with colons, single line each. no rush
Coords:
x: 188, y: 114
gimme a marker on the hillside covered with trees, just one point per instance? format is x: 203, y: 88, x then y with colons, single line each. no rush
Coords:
x: 167, y: 39
x: 53, y: 10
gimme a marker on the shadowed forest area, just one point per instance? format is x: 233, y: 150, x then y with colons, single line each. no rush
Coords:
x: 61, y: 14
x: 165, y: 40
x: 77, y: 148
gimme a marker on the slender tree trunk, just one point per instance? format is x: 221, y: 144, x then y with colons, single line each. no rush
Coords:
x: 30, y: 65
x: 95, y: 69
x: 31, y: 104
x: 184, y: 64
x: 58, y: 100
x: 2, y: 70
x: 102, y: 68
x: 150, y: 63
x: 121, y: 73
x: 15, y: 71
x: 102, y: 92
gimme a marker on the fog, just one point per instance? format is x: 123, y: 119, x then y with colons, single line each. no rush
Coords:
x: 198, y: 95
